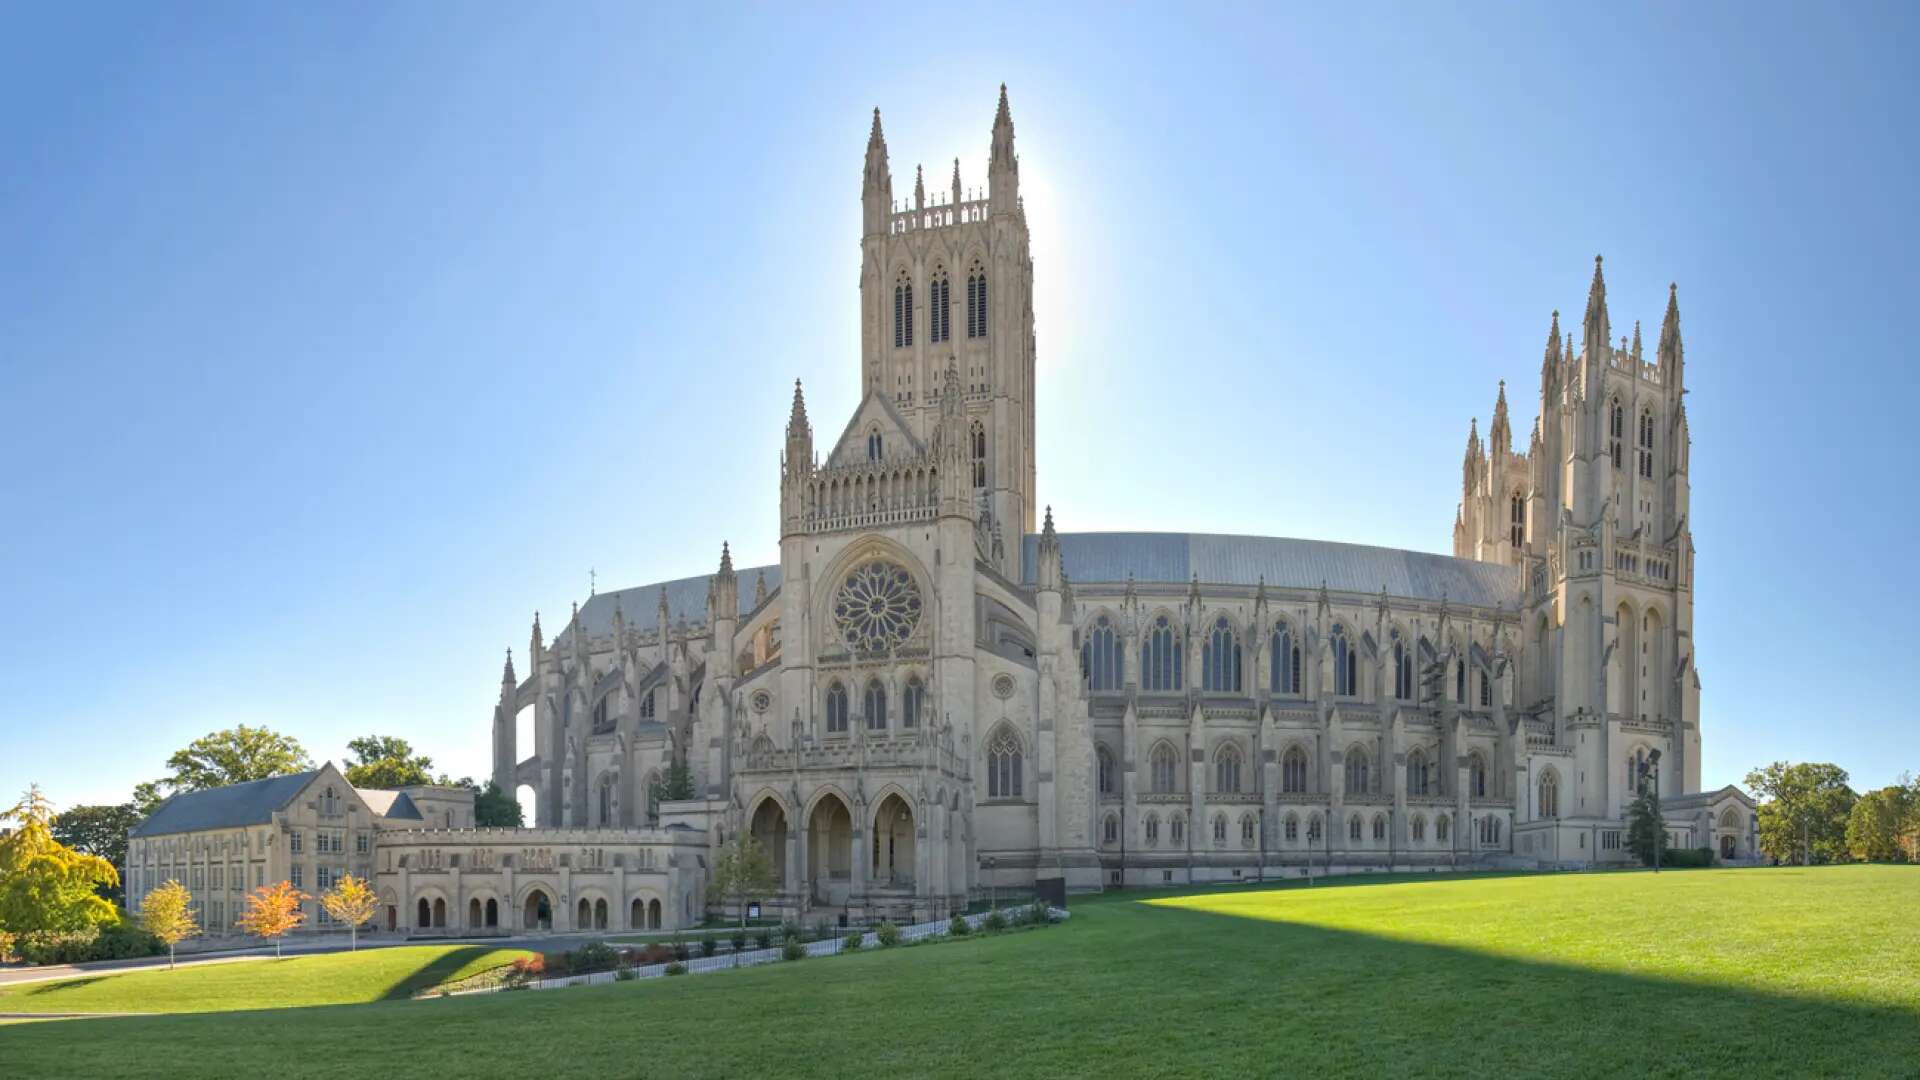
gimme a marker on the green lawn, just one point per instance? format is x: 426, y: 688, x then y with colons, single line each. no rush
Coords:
x: 331, y: 979
x: 1781, y: 972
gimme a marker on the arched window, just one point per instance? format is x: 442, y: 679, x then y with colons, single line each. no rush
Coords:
x: 1219, y: 829
x: 978, y: 444
x: 1616, y: 429
x: 1226, y: 770
x: 1220, y: 659
x: 1440, y: 828
x: 1402, y: 668
x: 1477, y: 775
x: 1100, y: 656
x: 1285, y: 661
x: 1550, y: 794
x: 1247, y: 829
x: 1418, y: 780
x: 1486, y: 690
x: 1313, y: 829
x: 940, y: 317
x: 606, y: 800
x: 1517, y: 521
x: 1293, y: 770
x: 1110, y: 829
x: 1346, y: 679
x: 1419, y: 827
x: 1177, y: 829
x: 912, y: 701
x: 1152, y: 829
x: 1160, y: 657
x: 1358, y: 771
x: 1003, y: 766
x: 646, y: 706
x: 1379, y: 826
x: 875, y: 448
x: 1103, y: 769
x: 902, y: 312
x: 1353, y: 827
x: 836, y: 709
x: 1166, y: 770
x: 1460, y: 681
x: 976, y: 301
x: 876, y: 706
x: 1293, y: 828
x: 600, y: 723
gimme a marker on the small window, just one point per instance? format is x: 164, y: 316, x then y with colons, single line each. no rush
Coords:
x: 836, y: 709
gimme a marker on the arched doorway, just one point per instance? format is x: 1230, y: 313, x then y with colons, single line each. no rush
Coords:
x: 584, y: 917
x: 830, y: 850
x: 425, y: 913
x: 393, y: 917
x: 439, y: 912
x: 1726, y: 847
x: 493, y: 912
x: 599, y: 914
x: 473, y: 913
x: 893, y: 843
x: 538, y: 914
x: 653, y: 914
x: 637, y: 914
x: 770, y: 830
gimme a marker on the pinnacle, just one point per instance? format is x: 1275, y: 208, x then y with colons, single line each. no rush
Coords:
x: 726, y: 558
x: 876, y: 136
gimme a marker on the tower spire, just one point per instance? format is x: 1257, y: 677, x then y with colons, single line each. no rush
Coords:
x: 1549, y: 364
x: 1596, y: 330
x: 1501, y: 433
x: 956, y: 182
x: 1003, y: 166
x: 919, y: 188
x: 876, y: 189
x: 1670, y: 354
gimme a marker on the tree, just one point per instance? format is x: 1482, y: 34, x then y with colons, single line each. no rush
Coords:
x: 678, y: 783
x: 351, y: 901
x: 98, y: 830
x: 493, y: 808
x: 741, y: 871
x: 235, y: 756
x: 1803, y: 810
x: 1874, y: 825
x: 147, y: 797
x: 383, y: 761
x: 167, y: 913
x: 44, y: 884
x: 273, y: 911
x: 1646, y: 830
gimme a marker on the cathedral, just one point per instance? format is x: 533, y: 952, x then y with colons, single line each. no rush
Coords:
x: 936, y: 690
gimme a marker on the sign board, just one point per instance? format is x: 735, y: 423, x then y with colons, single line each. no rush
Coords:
x: 753, y: 910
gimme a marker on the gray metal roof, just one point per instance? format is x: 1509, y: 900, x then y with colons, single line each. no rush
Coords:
x: 1283, y: 562
x: 251, y: 803
x: 686, y: 599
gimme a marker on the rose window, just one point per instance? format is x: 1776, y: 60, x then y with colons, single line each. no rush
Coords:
x: 877, y: 608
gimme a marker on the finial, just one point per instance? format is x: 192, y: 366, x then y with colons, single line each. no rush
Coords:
x: 726, y: 558
x: 593, y: 581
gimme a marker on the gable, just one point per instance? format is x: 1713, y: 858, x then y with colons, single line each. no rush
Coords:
x: 875, y: 414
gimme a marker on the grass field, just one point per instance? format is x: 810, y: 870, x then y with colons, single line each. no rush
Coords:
x: 331, y: 979
x: 1781, y: 972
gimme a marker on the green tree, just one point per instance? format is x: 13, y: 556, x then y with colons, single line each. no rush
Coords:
x: 742, y: 871
x: 44, y: 884
x: 235, y: 756
x: 383, y: 761
x: 167, y: 913
x: 1646, y: 830
x: 98, y: 830
x: 1873, y: 826
x: 1803, y: 810
x: 493, y: 808
x: 147, y: 797
x: 678, y: 783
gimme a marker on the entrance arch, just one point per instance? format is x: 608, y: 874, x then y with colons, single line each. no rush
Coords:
x: 893, y: 842
x: 439, y: 912
x: 425, y: 913
x: 770, y: 830
x: 538, y: 911
x: 830, y: 850
x: 653, y: 914
x: 473, y: 913
x: 493, y: 912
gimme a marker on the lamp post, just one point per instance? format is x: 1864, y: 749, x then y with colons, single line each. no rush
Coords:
x: 992, y: 899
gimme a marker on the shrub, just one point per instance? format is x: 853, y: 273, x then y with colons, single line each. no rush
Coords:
x: 790, y: 931
x: 994, y: 921
x: 709, y: 945
x: 1687, y: 858
x: 676, y: 969
x: 851, y: 943
x: 6, y: 947
x: 115, y: 942
x: 652, y: 953
x: 887, y: 934
x: 959, y: 927
x: 822, y: 929
x: 739, y: 939
x: 624, y: 974
x: 680, y: 950
x: 593, y: 956
x: 763, y: 939
x: 794, y: 949
x: 526, y: 970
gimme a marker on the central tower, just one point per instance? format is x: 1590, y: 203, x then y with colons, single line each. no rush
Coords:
x: 948, y: 280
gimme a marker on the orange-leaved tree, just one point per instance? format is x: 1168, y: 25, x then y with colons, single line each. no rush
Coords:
x: 351, y: 901
x: 273, y: 911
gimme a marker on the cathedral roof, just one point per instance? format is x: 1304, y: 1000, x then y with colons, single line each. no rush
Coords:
x: 686, y: 599
x: 1281, y: 562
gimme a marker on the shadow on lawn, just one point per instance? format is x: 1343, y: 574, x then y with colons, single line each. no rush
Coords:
x: 435, y: 971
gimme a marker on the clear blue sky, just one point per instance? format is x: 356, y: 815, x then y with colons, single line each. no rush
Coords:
x: 336, y: 340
